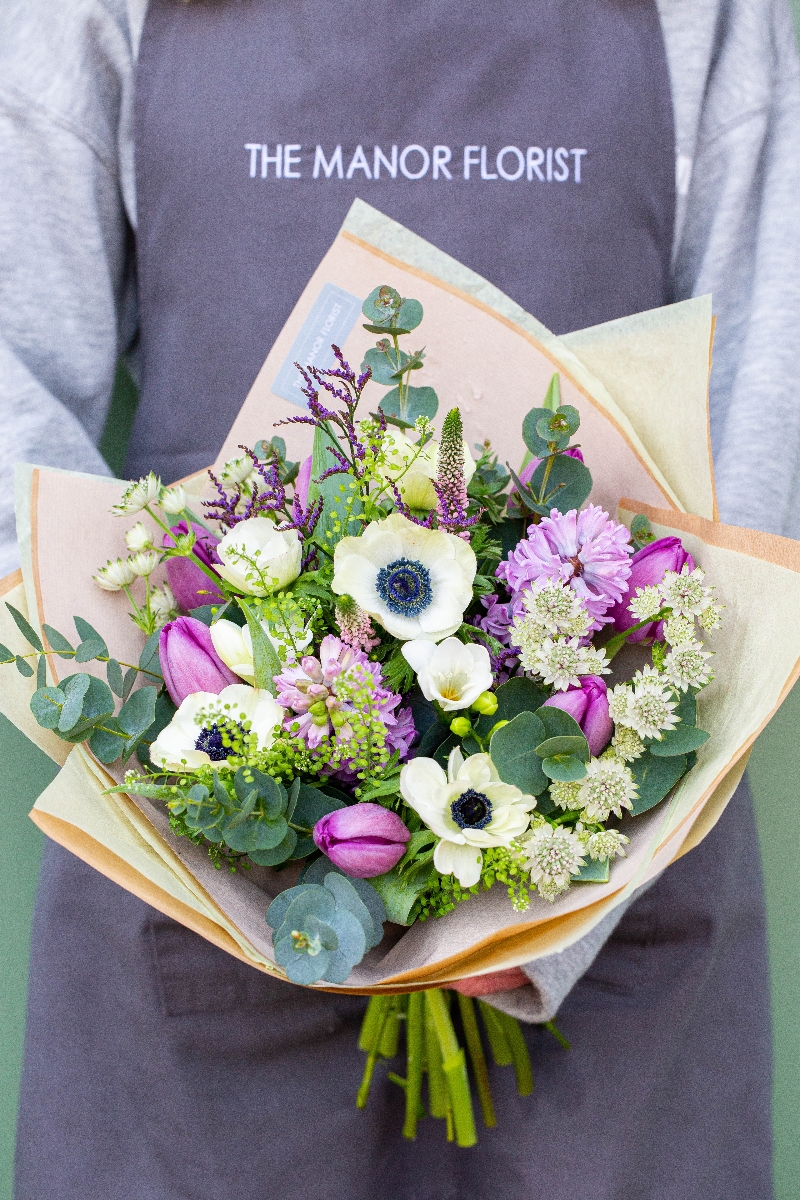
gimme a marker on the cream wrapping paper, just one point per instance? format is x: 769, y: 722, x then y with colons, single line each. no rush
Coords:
x: 640, y: 385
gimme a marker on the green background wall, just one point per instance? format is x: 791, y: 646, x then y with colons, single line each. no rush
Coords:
x: 774, y: 776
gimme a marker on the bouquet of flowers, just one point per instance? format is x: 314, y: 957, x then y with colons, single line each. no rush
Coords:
x: 388, y: 680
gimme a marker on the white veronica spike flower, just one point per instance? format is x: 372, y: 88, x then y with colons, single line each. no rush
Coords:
x: 609, y: 787
x: 115, y: 576
x: 138, y: 495
x: 196, y: 735
x: 469, y: 807
x: 554, y: 855
x: 452, y: 673
x: 257, y: 558
x: 415, y: 582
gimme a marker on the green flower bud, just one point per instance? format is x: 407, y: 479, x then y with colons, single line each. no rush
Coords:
x: 486, y: 704
x: 319, y: 709
x: 461, y: 726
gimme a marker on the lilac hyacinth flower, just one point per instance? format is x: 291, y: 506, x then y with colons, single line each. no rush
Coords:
x: 588, y: 705
x: 585, y: 549
x: 189, y: 661
x: 648, y: 567
x: 190, y: 586
x: 365, y: 840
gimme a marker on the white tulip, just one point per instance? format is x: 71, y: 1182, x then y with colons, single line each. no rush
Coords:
x: 452, y: 673
x: 256, y: 558
x: 192, y: 739
x: 467, y: 808
x: 416, y: 582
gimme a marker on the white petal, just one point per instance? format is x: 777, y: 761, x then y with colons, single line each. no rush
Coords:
x: 465, y: 862
x: 454, y: 763
x: 418, y: 654
x: 420, y: 780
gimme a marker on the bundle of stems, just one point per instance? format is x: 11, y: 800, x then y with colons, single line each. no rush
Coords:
x: 432, y: 1049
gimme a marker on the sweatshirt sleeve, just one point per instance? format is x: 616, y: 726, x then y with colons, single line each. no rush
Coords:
x: 739, y: 238
x: 67, y: 289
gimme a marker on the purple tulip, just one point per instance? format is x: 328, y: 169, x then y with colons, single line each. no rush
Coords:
x: 648, y: 567
x: 190, y: 586
x: 588, y: 704
x: 303, y: 481
x: 364, y: 840
x: 189, y: 661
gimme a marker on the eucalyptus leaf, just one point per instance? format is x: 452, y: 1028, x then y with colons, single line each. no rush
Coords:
x: 513, y: 753
x: 75, y: 688
x: 254, y: 834
x: 90, y: 649
x: 558, y: 723
x: 381, y: 305
x: 419, y: 402
x: 58, y: 643
x: 6, y: 655
x: 41, y: 672
x: 138, y: 712
x: 687, y: 708
x: 88, y: 702
x: 537, y: 445
x: 165, y: 711
x: 87, y: 633
x: 25, y: 628
x: 384, y: 366
x: 148, y: 659
x: 566, y: 768
x: 655, y: 777
x: 277, y: 854
x: 410, y: 314
x: 107, y: 743
x: 568, y: 483
x: 46, y: 704
x: 593, y: 871
x: 312, y: 805
x: 680, y: 740
x: 115, y: 678
x: 553, y: 747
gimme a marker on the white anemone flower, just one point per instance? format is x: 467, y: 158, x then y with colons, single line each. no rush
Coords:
x: 415, y: 475
x: 193, y: 737
x: 256, y: 558
x: 138, y: 495
x: 234, y: 644
x: 467, y: 808
x: 415, y: 582
x: 452, y: 673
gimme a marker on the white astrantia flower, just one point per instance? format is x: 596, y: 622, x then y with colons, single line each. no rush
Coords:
x: 558, y: 609
x: 684, y: 593
x: 234, y: 645
x: 163, y: 605
x: 237, y: 470
x: 687, y: 666
x: 204, y: 723
x: 678, y: 630
x: 450, y: 672
x: 561, y: 662
x: 607, y: 844
x: 173, y: 499
x: 566, y: 795
x: 415, y: 582
x: 144, y: 563
x: 467, y: 808
x: 711, y: 616
x: 256, y: 558
x: 651, y: 705
x: 608, y: 787
x: 138, y: 495
x: 627, y: 744
x: 619, y: 699
x: 414, y: 470
x: 646, y: 603
x: 138, y: 538
x: 114, y: 576
x: 553, y: 855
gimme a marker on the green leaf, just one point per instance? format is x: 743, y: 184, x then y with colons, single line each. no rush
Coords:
x: 46, y: 704
x: 687, y: 708
x: 266, y: 663
x: 410, y: 314
x: 312, y: 805
x: 75, y: 688
x: 513, y: 753
x: 90, y: 649
x: 88, y: 701
x: 148, y: 659
x: 381, y: 305
x: 138, y: 713
x: 681, y: 740
x: 566, y: 768
x: 513, y: 697
x: 548, y: 429
x: 398, y: 895
x: 384, y: 366
x: 114, y: 677
x: 341, y: 508
x: 552, y: 398
x: 87, y: 633
x: 641, y: 533
x: 558, y: 723
x: 165, y: 711
x: 107, y: 746
x: 593, y: 871
x: 536, y: 444
x: 655, y: 777
x: 6, y: 655
x: 58, y: 643
x: 255, y: 834
x: 41, y: 672
x: 421, y: 402
x: 26, y: 629
x: 568, y: 484
x: 25, y: 669
x: 128, y: 682
x: 277, y: 854
x: 553, y: 747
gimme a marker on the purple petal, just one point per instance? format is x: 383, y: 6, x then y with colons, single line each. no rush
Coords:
x: 189, y: 661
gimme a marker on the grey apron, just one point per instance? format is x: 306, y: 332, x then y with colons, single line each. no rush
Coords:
x: 157, y: 1067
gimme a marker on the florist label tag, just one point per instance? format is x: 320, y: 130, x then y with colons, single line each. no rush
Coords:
x: 331, y: 320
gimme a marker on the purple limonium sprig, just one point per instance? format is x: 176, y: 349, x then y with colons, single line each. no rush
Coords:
x: 585, y: 549
x: 269, y: 498
x: 496, y: 621
x: 450, y: 485
x: 405, y: 511
x: 344, y: 385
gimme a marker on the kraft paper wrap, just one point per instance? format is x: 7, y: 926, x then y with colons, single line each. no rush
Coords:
x: 641, y: 387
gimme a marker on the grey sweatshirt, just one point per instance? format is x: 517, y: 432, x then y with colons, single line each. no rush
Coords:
x: 68, y: 304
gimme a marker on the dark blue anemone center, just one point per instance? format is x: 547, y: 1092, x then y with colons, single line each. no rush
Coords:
x: 472, y: 810
x: 210, y: 740
x: 405, y: 587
